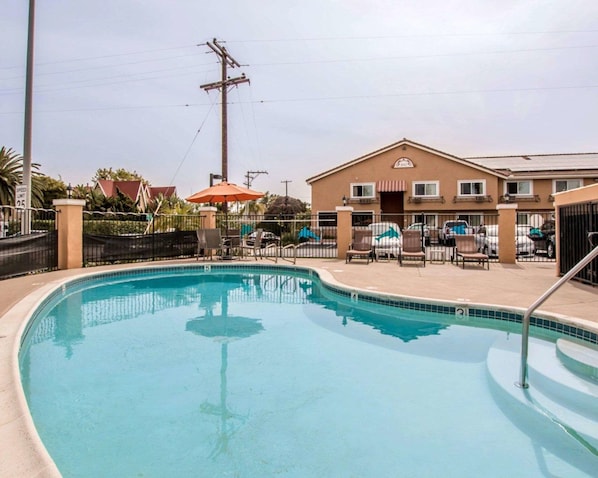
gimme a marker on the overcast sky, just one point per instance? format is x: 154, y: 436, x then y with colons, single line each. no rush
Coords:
x: 117, y: 84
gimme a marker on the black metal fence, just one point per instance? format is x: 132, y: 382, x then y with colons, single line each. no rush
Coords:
x: 576, y: 221
x: 314, y: 236
x: 28, y: 241
x: 110, y: 238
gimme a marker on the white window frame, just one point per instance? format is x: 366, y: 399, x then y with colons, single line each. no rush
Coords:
x: 425, y: 183
x: 554, y: 181
x: 373, y: 186
x: 528, y: 181
x: 471, y: 181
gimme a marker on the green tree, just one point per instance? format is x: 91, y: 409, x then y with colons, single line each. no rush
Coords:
x: 170, y: 205
x: 11, y: 168
x: 51, y: 189
x: 11, y: 174
x: 120, y: 174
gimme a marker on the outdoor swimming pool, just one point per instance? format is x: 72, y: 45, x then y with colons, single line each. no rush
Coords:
x: 250, y: 372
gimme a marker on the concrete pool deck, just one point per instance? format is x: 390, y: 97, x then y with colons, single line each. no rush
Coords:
x: 505, y: 285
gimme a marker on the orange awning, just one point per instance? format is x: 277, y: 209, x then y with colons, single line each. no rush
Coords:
x: 391, y: 186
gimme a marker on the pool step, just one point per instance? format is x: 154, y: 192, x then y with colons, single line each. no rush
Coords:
x: 581, y: 358
x: 556, y: 393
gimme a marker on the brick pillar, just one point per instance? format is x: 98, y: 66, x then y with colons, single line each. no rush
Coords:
x: 344, y: 230
x: 69, y: 224
x: 507, y: 221
x: 209, y: 217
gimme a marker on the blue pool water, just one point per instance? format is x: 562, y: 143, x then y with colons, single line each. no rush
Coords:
x: 191, y: 373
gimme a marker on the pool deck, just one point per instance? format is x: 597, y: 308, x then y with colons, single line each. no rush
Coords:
x: 505, y: 285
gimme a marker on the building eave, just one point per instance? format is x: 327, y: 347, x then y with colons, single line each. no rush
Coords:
x: 405, y: 142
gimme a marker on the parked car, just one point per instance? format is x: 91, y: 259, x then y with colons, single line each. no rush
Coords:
x: 417, y: 226
x: 544, y: 239
x: 386, y: 239
x: 267, y: 238
x: 447, y: 232
x: 488, y: 241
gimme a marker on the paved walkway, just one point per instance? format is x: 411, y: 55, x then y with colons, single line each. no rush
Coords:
x: 517, y: 285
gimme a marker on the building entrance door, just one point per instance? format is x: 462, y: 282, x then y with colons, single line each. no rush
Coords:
x: 391, y: 205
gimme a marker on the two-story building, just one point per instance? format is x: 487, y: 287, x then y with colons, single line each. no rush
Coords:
x: 407, y: 181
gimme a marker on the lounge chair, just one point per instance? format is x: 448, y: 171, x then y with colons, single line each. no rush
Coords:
x: 467, y: 249
x: 361, y: 246
x: 412, y: 247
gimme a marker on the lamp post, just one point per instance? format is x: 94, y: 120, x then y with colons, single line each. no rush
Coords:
x: 214, y: 176
x: 69, y: 191
x: 507, y: 197
x: 344, y: 200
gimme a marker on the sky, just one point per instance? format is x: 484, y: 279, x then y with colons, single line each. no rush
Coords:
x: 117, y: 84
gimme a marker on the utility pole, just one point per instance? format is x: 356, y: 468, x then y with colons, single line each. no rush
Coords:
x: 286, y: 187
x: 26, y: 181
x: 251, y: 175
x: 223, y: 85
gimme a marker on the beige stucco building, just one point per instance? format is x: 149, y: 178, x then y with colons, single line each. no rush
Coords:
x: 404, y: 180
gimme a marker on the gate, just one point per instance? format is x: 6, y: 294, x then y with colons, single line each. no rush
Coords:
x: 575, y: 222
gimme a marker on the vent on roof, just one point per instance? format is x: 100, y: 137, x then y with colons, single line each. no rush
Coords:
x: 527, y: 158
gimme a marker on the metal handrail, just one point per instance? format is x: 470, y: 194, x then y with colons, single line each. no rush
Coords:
x: 526, y: 317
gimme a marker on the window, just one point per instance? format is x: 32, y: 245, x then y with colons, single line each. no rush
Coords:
x: 474, y: 220
x: 403, y: 163
x: 362, y: 190
x: 362, y: 218
x: 425, y: 188
x: 560, y: 185
x: 519, y: 188
x: 472, y: 188
x: 430, y: 220
x: 327, y: 219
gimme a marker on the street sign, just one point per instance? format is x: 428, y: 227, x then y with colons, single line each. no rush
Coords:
x: 21, y: 196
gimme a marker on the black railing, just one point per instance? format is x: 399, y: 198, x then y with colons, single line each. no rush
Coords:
x: 575, y: 222
x: 28, y: 241
x: 128, y: 237
x: 315, y: 236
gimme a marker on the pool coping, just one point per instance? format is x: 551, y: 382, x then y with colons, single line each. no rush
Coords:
x: 18, y: 435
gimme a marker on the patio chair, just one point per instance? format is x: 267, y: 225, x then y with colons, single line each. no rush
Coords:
x: 467, y: 250
x: 412, y: 247
x: 257, y: 250
x: 361, y: 246
x: 208, y: 240
x: 233, y: 242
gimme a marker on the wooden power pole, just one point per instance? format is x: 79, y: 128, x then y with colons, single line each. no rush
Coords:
x: 223, y: 85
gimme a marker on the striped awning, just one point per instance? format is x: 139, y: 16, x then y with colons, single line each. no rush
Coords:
x: 391, y: 186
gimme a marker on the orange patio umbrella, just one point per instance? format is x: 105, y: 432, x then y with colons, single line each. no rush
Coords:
x: 224, y: 192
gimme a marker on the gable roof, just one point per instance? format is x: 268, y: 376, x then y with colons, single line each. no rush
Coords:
x: 406, y: 142
x: 166, y: 191
x: 132, y: 189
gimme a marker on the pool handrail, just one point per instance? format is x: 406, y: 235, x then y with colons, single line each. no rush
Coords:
x: 526, y: 317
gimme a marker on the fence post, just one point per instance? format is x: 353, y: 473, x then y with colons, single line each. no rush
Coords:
x: 209, y: 212
x: 69, y: 224
x: 344, y: 230
x: 507, y: 221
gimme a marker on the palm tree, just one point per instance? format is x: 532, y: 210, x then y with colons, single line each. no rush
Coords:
x: 11, y: 174
x: 11, y: 168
